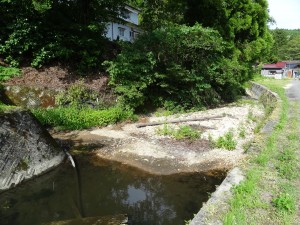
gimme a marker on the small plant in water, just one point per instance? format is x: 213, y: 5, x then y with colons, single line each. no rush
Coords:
x: 226, y: 141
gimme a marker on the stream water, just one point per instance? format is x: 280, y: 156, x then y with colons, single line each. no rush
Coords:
x: 105, y: 188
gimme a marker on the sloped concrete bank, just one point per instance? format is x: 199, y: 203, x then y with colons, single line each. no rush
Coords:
x: 26, y: 148
x: 218, y: 203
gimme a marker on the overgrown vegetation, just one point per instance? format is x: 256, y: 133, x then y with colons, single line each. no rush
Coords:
x: 268, y: 195
x: 176, y: 63
x: 176, y: 66
x: 39, y: 32
x: 79, y: 96
x: 72, y: 118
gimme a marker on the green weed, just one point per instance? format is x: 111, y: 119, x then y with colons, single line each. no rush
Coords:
x: 288, y: 170
x: 226, y: 141
x: 242, y: 132
x: 183, y: 132
x: 287, y: 155
x: 285, y: 202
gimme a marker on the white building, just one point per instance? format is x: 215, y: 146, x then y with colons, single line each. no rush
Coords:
x: 126, y: 31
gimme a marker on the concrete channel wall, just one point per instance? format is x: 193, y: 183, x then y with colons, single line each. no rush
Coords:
x: 26, y: 148
x: 218, y: 203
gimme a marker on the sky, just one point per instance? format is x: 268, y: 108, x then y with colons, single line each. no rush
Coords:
x: 286, y: 13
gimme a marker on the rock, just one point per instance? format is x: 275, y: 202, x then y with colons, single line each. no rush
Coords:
x: 26, y: 148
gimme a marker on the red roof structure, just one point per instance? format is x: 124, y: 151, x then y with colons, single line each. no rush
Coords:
x: 279, y: 65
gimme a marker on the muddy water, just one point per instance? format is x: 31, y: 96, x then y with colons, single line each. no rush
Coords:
x: 106, y: 188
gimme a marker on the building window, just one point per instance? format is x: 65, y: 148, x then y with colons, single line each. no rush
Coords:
x: 121, y: 31
x: 126, y: 15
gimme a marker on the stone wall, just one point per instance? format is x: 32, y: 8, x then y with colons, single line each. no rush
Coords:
x: 267, y: 97
x: 26, y: 148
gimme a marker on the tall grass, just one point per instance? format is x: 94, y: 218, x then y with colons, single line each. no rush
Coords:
x: 75, y: 119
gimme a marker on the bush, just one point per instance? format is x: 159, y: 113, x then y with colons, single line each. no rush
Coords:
x: 176, y: 66
x: 79, y: 96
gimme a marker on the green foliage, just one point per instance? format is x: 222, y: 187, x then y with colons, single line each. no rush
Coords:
x: 286, y: 45
x: 73, y: 119
x: 37, y: 32
x: 242, y: 132
x: 183, y: 132
x: 243, y: 24
x: 227, y: 141
x: 79, y: 96
x: 285, y: 202
x: 7, y: 72
x: 176, y: 65
x: 291, y: 51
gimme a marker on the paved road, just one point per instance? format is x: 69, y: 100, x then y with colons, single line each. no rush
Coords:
x: 293, y: 92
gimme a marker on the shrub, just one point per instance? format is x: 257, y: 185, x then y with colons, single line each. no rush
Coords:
x: 79, y: 96
x: 176, y: 66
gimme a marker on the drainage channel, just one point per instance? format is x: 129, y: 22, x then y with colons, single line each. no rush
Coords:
x: 105, y: 188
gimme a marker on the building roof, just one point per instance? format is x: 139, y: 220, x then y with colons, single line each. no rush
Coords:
x: 279, y: 65
x: 292, y: 62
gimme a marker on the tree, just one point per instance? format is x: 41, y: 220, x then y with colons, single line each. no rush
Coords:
x: 38, y: 31
x: 280, y: 39
x: 243, y: 23
x: 159, y: 13
x: 177, y: 65
x: 291, y: 50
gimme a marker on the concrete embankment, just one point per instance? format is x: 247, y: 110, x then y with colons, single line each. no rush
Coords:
x: 210, y: 213
x: 26, y: 148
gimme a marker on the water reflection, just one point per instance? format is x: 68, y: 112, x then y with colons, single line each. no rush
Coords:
x: 107, y: 188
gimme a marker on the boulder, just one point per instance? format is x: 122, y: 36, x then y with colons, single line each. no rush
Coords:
x: 26, y: 148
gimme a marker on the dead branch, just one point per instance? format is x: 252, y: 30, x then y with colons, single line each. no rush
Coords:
x: 177, y: 121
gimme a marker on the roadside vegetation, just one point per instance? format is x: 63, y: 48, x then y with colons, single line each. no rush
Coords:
x: 269, y: 193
